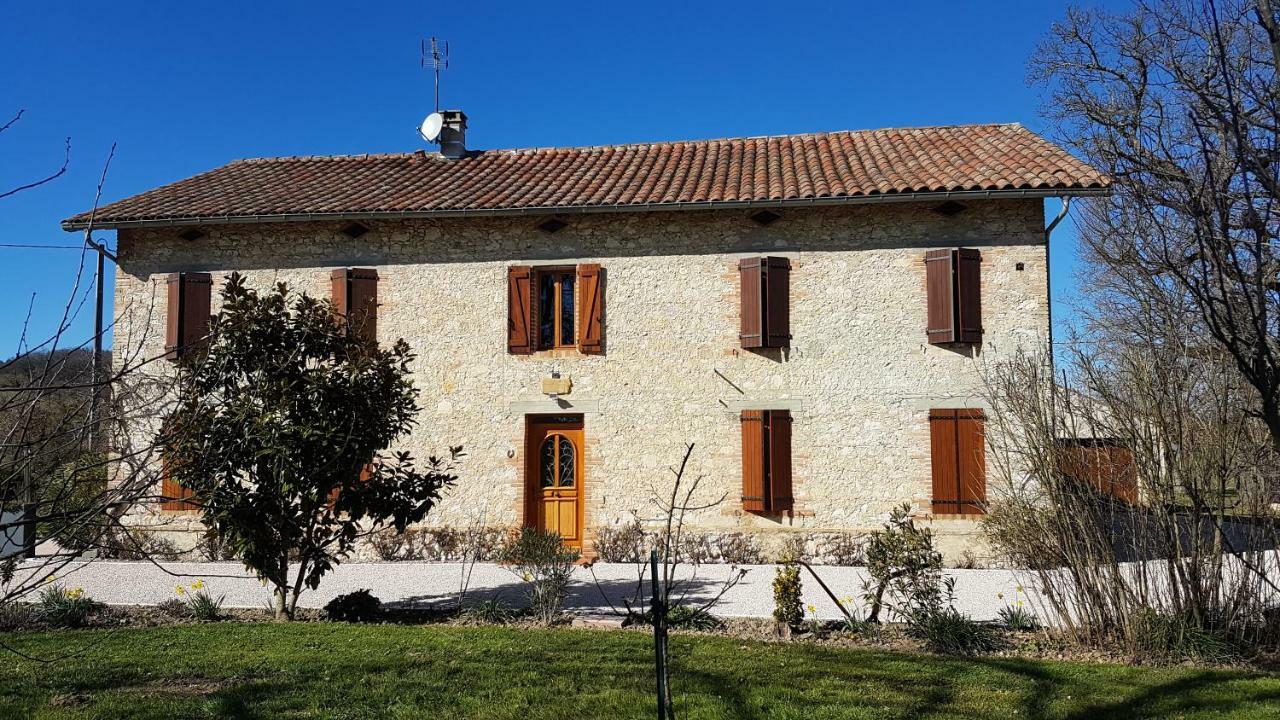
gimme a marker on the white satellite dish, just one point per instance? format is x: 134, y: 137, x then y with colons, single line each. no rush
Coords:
x: 430, y: 128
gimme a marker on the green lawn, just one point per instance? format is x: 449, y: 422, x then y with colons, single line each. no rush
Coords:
x: 353, y: 671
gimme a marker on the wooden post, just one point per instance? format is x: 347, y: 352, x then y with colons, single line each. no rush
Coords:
x: 659, y: 639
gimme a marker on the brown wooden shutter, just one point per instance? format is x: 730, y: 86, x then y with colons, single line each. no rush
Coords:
x: 173, y: 496
x: 958, y: 453
x: 751, y: 270
x: 520, y: 325
x: 972, y: 464
x: 779, y: 437
x: 939, y: 280
x: 777, y: 302
x: 187, y: 313
x: 1104, y: 465
x: 753, y: 461
x: 969, y: 295
x: 355, y: 299
x: 591, y: 309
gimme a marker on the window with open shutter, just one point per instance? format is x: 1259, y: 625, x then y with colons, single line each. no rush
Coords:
x: 958, y: 455
x: 953, y: 285
x: 187, y: 319
x: 556, y: 307
x: 355, y: 299
x: 766, y: 461
x: 766, y: 302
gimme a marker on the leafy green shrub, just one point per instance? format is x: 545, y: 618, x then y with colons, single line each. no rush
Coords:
x: 901, y: 559
x: 361, y: 606
x: 951, y: 632
x: 1174, y: 637
x: 787, y: 608
x: 545, y: 564
x: 492, y: 611
x: 65, y: 608
x: 1016, y: 617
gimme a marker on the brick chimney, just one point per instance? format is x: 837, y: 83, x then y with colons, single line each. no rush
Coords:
x: 453, y: 134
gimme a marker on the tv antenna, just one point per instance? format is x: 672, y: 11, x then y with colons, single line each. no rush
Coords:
x: 437, y: 60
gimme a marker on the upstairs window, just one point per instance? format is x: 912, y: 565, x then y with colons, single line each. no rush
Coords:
x: 954, y: 286
x: 187, y: 321
x: 551, y: 308
x: 355, y: 300
x: 766, y: 302
x: 556, y: 308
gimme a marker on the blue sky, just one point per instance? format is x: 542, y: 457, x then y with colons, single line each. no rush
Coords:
x: 195, y: 85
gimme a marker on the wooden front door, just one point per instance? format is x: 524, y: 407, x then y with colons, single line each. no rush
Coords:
x: 553, y: 476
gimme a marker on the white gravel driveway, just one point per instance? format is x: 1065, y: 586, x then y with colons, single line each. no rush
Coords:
x: 144, y: 583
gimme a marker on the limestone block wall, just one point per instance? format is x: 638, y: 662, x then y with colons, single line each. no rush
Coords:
x: 858, y: 377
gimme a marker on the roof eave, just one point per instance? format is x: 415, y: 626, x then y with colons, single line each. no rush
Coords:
x: 71, y: 226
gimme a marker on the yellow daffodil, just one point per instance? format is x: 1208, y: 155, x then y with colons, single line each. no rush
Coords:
x: 180, y: 590
x: 1019, y: 588
x: 198, y: 584
x: 813, y: 609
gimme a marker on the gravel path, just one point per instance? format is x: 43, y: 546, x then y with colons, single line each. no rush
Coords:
x: 143, y: 583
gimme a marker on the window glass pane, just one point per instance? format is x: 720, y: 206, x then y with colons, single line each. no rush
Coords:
x: 547, y: 474
x: 567, y: 466
x: 546, y: 310
x: 566, y: 309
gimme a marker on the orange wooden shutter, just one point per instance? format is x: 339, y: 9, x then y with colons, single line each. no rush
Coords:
x: 187, y: 314
x: 943, y: 452
x: 173, y: 496
x: 520, y: 310
x: 777, y: 302
x: 753, y: 461
x: 939, y: 282
x: 971, y: 445
x: 1104, y: 465
x: 591, y: 309
x: 958, y: 451
x: 969, y: 295
x: 779, y: 438
x: 752, y: 330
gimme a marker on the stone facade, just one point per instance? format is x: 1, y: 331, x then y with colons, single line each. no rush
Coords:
x: 859, y: 377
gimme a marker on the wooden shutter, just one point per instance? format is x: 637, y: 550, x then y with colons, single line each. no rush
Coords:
x: 173, y: 496
x: 777, y: 302
x: 968, y: 295
x: 778, y: 434
x: 953, y: 280
x: 187, y: 313
x: 1104, y: 465
x: 355, y: 299
x: 753, y: 461
x: 751, y: 271
x: 957, y: 449
x: 520, y: 323
x: 939, y: 280
x: 972, y: 463
x: 590, y: 309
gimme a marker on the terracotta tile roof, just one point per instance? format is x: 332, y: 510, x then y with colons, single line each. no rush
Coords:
x: 787, y: 169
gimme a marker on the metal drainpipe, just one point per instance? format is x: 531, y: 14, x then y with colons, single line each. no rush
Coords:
x: 1048, y: 279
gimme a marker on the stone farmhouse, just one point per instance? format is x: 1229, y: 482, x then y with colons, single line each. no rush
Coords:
x: 812, y: 311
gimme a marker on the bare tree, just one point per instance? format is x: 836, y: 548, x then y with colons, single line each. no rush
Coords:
x: 60, y: 412
x: 1178, y: 100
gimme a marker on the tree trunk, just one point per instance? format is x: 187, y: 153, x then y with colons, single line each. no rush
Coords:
x: 282, y: 607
